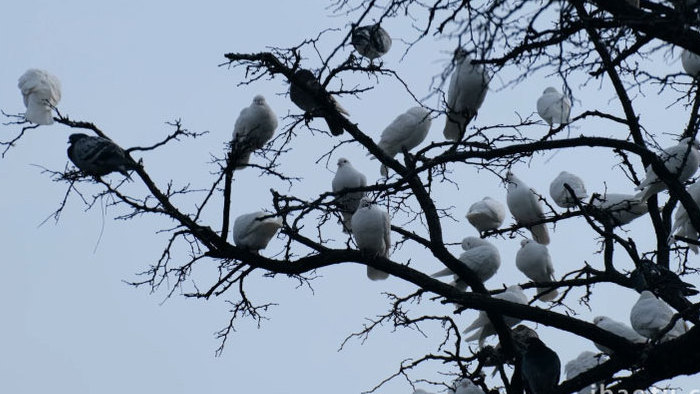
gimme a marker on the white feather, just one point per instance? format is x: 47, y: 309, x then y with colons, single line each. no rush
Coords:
x: 255, y: 126
x: 407, y: 131
x: 487, y: 214
x: 650, y: 315
x: 681, y: 160
x: 482, y: 323
x: 347, y: 177
x: 371, y: 228
x: 467, y: 91
x: 533, y: 260
x: 617, y: 328
x: 251, y: 232
x: 554, y: 107
x: 526, y: 207
x: 561, y: 195
x: 41, y: 92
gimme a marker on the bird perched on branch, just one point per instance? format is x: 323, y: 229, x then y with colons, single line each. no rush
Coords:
x: 467, y: 91
x: 680, y: 160
x: 690, y: 62
x: 480, y: 256
x: 554, y: 107
x: 682, y: 226
x: 526, y: 208
x: 370, y: 41
x: 487, y: 214
x: 617, y: 328
x: 407, y: 131
x: 619, y: 209
x: 98, y: 156
x: 540, y: 367
x: 41, y: 92
x: 308, y: 94
x: 585, y: 361
x: 465, y: 386
x: 371, y: 228
x: 650, y: 316
x: 483, y: 324
x: 561, y: 195
x: 254, y: 127
x: 347, y: 177
x: 254, y: 230
x: 534, y: 261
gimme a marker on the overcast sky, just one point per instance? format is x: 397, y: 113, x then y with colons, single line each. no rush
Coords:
x: 71, y: 325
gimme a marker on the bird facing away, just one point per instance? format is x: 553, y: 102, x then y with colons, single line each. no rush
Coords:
x: 617, y: 328
x: 467, y: 91
x: 650, y: 315
x: 526, y: 207
x: 561, y: 195
x: 585, y: 361
x: 681, y: 160
x: 682, y: 226
x: 308, y: 94
x: 98, y: 156
x: 690, y: 62
x: 41, y: 92
x: 252, y: 232
x: 554, y: 107
x: 494, y: 356
x: 620, y: 209
x: 483, y: 325
x: 254, y: 127
x: 407, y: 131
x: 347, y: 177
x: 371, y: 228
x: 487, y: 214
x: 534, y: 261
x: 480, y: 256
x: 465, y: 386
x: 371, y: 41
x: 540, y: 368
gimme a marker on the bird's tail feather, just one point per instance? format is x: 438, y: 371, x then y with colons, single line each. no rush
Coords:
x: 546, y: 295
x: 346, y: 222
x: 540, y: 233
x: 38, y: 114
x: 441, y: 273
x: 384, y: 171
x: 375, y: 274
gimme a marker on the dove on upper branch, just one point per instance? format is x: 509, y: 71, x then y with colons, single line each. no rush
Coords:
x: 540, y: 367
x: 254, y: 127
x: 483, y: 325
x: 681, y: 160
x: 407, y: 131
x: 370, y: 41
x: 650, y: 315
x: 585, y: 361
x: 468, y: 86
x: 554, y: 107
x: 347, y: 177
x: 534, y: 261
x: 480, y: 256
x: 682, y: 226
x: 617, y: 328
x: 561, y: 195
x: 98, y: 156
x: 308, y: 94
x: 41, y: 92
x: 486, y: 214
x: 252, y: 232
x: 371, y: 228
x: 526, y: 208
x: 621, y: 208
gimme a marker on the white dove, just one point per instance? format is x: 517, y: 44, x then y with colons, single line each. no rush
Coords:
x: 585, y: 361
x: 526, y: 207
x: 561, y: 195
x: 371, y: 228
x: 41, y: 92
x: 681, y: 160
x: 623, y: 208
x: 482, y: 323
x: 467, y: 91
x: 690, y: 62
x: 254, y: 127
x: 487, y: 214
x: 252, y: 232
x: 681, y: 222
x: 534, y: 261
x: 480, y: 256
x: 650, y: 315
x: 465, y: 386
x: 407, y: 131
x: 554, y: 107
x: 617, y: 328
x: 421, y: 391
x: 370, y: 41
x: 347, y: 177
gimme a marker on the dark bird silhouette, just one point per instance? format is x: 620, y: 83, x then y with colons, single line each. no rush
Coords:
x: 540, y: 367
x: 98, y: 156
x: 308, y: 94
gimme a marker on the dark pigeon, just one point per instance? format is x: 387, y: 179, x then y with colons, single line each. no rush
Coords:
x: 307, y: 93
x: 540, y: 367
x: 98, y: 156
x: 370, y: 41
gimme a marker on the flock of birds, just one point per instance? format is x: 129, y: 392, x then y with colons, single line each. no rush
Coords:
x: 370, y: 226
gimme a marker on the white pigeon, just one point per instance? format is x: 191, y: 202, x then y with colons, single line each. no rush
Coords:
x: 617, y: 328
x: 623, y: 208
x: 534, y: 261
x: 252, y: 232
x: 585, y: 361
x: 371, y: 228
x: 554, y: 107
x: 465, y: 386
x: 650, y: 315
x: 370, y: 41
x: 407, y: 131
x: 480, y: 256
x: 690, y: 62
x: 526, y: 207
x: 487, y: 214
x: 681, y: 160
x: 482, y: 323
x: 41, y: 92
x: 681, y: 222
x: 98, y: 156
x: 347, y: 177
x: 254, y: 127
x: 467, y: 91
x: 421, y: 391
x: 561, y: 195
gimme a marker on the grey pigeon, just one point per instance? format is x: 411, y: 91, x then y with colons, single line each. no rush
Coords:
x: 554, y: 107
x: 370, y: 41
x: 98, y: 156
x: 41, y: 92
x: 483, y: 325
x: 534, y: 261
x: 690, y: 62
x: 371, y: 228
x: 467, y: 91
x: 486, y: 214
x: 347, y: 177
x: 585, y: 361
x: 526, y: 207
x: 619, y: 209
x: 307, y: 93
x: 252, y: 232
x: 617, y: 328
x: 480, y: 256
x: 254, y: 127
x: 681, y: 160
x: 407, y: 131
x: 561, y: 194
x: 650, y: 315
x: 682, y: 226
x: 540, y: 367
